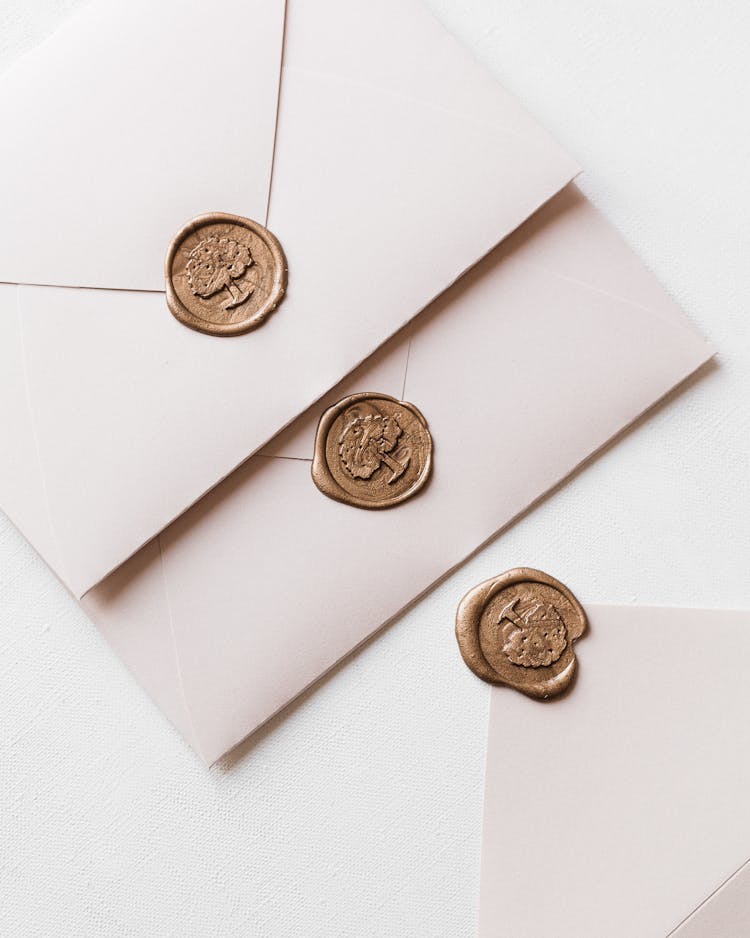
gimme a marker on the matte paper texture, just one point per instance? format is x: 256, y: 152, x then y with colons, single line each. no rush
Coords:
x: 619, y: 808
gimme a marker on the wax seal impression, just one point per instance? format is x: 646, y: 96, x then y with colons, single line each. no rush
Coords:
x: 225, y: 274
x: 518, y: 629
x: 372, y: 451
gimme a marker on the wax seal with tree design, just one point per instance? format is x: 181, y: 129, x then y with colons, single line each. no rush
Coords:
x: 518, y: 629
x: 372, y: 451
x: 224, y: 274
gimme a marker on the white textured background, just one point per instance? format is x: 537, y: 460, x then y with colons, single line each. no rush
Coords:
x: 358, y: 812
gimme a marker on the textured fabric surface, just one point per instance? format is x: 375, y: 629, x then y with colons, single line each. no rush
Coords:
x: 357, y: 813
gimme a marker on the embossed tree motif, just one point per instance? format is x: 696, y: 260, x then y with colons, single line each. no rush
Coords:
x: 366, y: 443
x: 534, y: 637
x: 215, y: 264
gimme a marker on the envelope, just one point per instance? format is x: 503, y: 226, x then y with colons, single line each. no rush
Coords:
x: 530, y: 364
x: 384, y: 159
x: 723, y: 914
x: 618, y: 809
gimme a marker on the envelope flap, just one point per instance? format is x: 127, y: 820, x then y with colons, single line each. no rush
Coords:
x: 634, y: 785
x: 385, y: 371
x: 569, y: 361
x: 567, y: 306
x: 381, y: 200
x: 401, y: 48
x: 572, y: 239
x: 521, y: 373
x: 130, y: 119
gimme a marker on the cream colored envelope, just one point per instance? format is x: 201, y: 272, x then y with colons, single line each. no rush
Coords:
x: 525, y: 368
x: 382, y: 156
x: 618, y: 809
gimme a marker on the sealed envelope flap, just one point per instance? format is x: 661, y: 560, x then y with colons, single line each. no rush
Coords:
x: 522, y: 370
x: 397, y: 163
x: 132, y: 118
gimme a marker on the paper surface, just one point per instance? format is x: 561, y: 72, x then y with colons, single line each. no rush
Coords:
x: 725, y: 913
x: 617, y: 809
x: 129, y: 120
x: 522, y: 371
x: 398, y: 162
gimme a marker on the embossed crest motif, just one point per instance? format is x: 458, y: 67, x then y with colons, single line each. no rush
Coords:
x: 372, y: 451
x: 533, y: 637
x: 366, y: 444
x: 215, y: 264
x: 518, y: 629
x: 224, y: 274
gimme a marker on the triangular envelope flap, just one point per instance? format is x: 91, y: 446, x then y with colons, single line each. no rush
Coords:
x: 540, y: 373
x: 572, y: 238
x: 548, y: 370
x: 400, y: 47
x: 632, y: 788
x: 131, y: 119
x: 381, y: 203
x: 567, y: 237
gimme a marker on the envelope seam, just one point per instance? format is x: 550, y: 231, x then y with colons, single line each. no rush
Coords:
x: 278, y: 109
x: 281, y: 456
x: 175, y: 650
x: 35, y: 436
x: 707, y: 899
x: 686, y: 328
x: 406, y: 365
x: 70, y: 286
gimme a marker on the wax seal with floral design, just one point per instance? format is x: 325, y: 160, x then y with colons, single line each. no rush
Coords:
x: 372, y: 451
x: 224, y: 274
x: 518, y: 629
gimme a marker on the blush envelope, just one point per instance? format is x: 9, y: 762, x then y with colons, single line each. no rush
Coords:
x: 380, y: 154
x: 531, y: 363
x: 619, y: 809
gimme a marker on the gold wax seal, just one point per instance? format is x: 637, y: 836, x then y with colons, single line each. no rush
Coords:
x: 372, y: 451
x: 518, y: 629
x: 225, y: 274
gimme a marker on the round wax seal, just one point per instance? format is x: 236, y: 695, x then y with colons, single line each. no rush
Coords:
x: 372, y: 451
x: 225, y: 274
x: 518, y: 629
